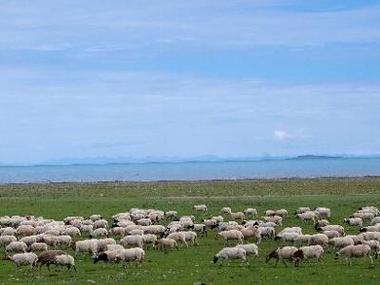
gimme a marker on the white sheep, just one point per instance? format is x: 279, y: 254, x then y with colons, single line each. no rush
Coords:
x: 166, y: 243
x: 237, y: 216
x: 354, y: 222
x: 233, y: 235
x: 337, y: 228
x: 99, y: 233
x: 331, y: 234
x: 132, y: 254
x: 5, y: 240
x: 16, y: 247
x: 318, y: 239
x: 323, y: 213
x: 178, y: 237
x: 228, y: 253
x: 38, y: 246
x: 191, y: 237
x: 307, y: 216
x: 282, y: 254
x: 274, y: 219
x: 308, y: 252
x: 250, y: 212
x: 355, y: 251
x: 369, y: 236
x: 27, y: 258
x: 341, y: 242
x: 149, y: 239
x: 100, y: 224
x: 251, y: 249
x: 65, y: 260
x: 252, y: 232
x: 226, y: 210
x: 132, y: 241
x: 88, y: 246
x: 301, y: 210
x: 200, y: 208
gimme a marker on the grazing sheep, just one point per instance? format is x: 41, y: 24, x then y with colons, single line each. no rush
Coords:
x: 288, y: 236
x: 64, y: 240
x: 5, y: 240
x: 375, y: 220
x: 321, y: 223
x: 228, y: 253
x: 237, y: 216
x: 178, y: 237
x: 374, y: 245
x: 8, y: 231
x: 166, y: 243
x: 233, y: 235
x: 65, y: 260
x: 308, y: 252
x: 226, y: 210
x: 144, y: 222
x: 274, y: 219
x: 95, y: 217
x: 252, y: 232
x: 25, y: 230
x: 191, y: 237
x: 100, y: 224
x: 132, y: 241
x: 149, y: 239
x: 89, y: 246
x: 250, y: 212
x: 355, y: 251
x: 250, y: 249
x: 373, y: 228
x: 99, y: 233
x: 301, y: 210
x: 16, y: 247
x: 331, y: 234
x: 200, y: 208
x: 48, y: 257
x: 282, y: 213
x: 200, y: 228
x: 38, y: 246
x: 307, y: 216
x: 118, y: 231
x: 318, y: 239
x: 337, y: 228
x: 323, y: 213
x: 282, y: 254
x: 354, y: 222
x: 267, y: 232
x: 107, y: 256
x: 369, y: 236
x: 131, y: 254
x: 27, y: 258
x: 341, y: 242
x: 171, y: 214
x: 211, y: 223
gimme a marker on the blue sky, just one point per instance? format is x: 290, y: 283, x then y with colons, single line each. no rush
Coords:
x: 85, y: 79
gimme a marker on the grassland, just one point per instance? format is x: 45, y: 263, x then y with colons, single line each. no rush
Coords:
x: 188, y: 266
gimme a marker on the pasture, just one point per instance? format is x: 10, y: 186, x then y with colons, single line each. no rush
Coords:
x: 193, y: 265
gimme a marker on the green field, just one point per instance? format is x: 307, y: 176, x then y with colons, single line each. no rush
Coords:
x: 192, y: 265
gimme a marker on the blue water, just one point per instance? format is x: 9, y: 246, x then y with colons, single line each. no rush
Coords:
x: 316, y: 167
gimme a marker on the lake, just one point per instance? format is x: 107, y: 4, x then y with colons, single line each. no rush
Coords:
x: 304, y: 168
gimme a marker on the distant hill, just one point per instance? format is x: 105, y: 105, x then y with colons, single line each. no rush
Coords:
x: 310, y: 156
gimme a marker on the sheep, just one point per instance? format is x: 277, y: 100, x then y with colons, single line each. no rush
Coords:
x: 321, y: 223
x: 365, y: 216
x: 16, y: 247
x: 308, y: 252
x: 373, y: 228
x: 64, y: 240
x: 5, y: 240
x: 171, y: 214
x: 113, y: 247
x: 211, y: 223
x: 369, y: 236
x: 218, y: 218
x: 132, y: 241
x: 139, y: 232
x: 132, y: 254
x: 72, y: 232
x: 301, y: 210
x: 288, y: 236
x: 252, y: 231
x: 29, y: 240
x: 38, y: 246
x: 165, y: 243
x: 27, y: 258
x: 89, y: 246
x: 232, y: 235
x: 144, y: 222
x: 323, y: 213
x: 360, y: 250
x: 274, y: 219
x: 237, y: 216
x: 200, y: 208
x: 307, y: 216
x: 178, y: 237
x: 250, y: 212
x: 99, y: 233
x: 331, y: 234
x: 191, y: 237
x: 302, y: 239
x: 250, y: 249
x: 154, y: 229
x: 282, y: 254
x: 95, y: 217
x: 354, y: 222
x: 282, y: 213
x: 48, y: 257
x: 318, y: 239
x: 269, y: 232
x: 149, y: 239
x: 118, y: 231
x: 341, y: 242
x: 375, y: 220
x: 25, y: 230
x: 337, y: 228
x: 200, y: 228
x: 374, y: 245
x: 8, y: 231
x: 292, y: 229
x: 65, y: 260
x: 107, y: 256
x: 100, y: 224
x: 228, y: 253
x: 226, y: 210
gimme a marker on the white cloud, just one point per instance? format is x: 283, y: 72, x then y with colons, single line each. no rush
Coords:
x: 280, y: 135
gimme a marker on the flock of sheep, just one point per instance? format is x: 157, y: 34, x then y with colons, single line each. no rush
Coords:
x: 30, y: 240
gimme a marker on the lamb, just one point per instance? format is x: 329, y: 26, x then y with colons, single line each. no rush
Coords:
x: 200, y: 208
x: 27, y: 258
x: 282, y: 254
x: 356, y: 251
x: 231, y: 253
x: 38, y: 246
x: 341, y: 242
x: 99, y: 233
x: 149, y: 239
x: 165, y: 243
x: 232, y: 235
x: 178, y: 237
x: 5, y: 240
x: 65, y: 260
x: 308, y: 252
x: 250, y: 249
x: 132, y: 254
x: 354, y: 222
x: 132, y: 241
x: 16, y: 247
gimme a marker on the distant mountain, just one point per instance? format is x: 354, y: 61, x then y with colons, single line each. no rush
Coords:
x: 311, y: 156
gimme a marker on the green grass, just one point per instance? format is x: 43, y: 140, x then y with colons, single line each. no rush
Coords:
x: 187, y: 266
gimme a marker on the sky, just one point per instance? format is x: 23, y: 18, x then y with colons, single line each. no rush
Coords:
x: 177, y: 78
